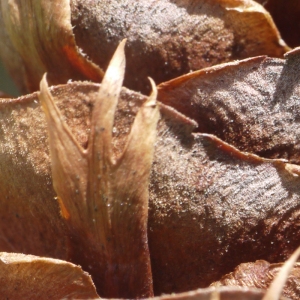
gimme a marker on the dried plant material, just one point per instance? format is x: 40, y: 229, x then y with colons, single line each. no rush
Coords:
x: 30, y: 220
x: 286, y: 17
x: 278, y: 283
x: 211, y: 206
x: 31, y: 277
x: 277, y: 279
x: 104, y: 199
x: 252, y: 104
x: 221, y: 293
x: 204, y: 193
x: 170, y: 38
x: 36, y: 37
x: 259, y: 275
x: 208, y: 195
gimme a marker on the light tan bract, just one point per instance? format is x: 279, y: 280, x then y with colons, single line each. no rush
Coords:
x: 104, y: 199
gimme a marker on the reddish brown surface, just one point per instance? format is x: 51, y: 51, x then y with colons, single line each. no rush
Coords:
x: 167, y: 38
x: 252, y: 104
x: 211, y: 206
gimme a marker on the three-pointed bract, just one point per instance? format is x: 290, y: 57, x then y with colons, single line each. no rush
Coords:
x: 104, y: 199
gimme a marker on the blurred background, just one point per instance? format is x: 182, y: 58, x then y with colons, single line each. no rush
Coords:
x: 6, y: 84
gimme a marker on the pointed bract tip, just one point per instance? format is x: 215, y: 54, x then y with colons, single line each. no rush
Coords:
x: 114, y: 74
x: 119, y: 53
x: 123, y: 42
x: 44, y: 83
x: 152, y: 98
x: 44, y: 94
x: 121, y: 48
